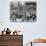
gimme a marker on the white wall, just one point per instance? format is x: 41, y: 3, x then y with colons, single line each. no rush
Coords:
x: 30, y: 30
x: 39, y: 44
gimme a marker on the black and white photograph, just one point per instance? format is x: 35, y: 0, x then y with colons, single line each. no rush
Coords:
x: 23, y: 11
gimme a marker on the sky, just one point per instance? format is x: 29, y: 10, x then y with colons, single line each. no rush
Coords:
x: 31, y: 30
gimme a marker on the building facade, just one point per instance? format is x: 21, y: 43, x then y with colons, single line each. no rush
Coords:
x: 11, y: 40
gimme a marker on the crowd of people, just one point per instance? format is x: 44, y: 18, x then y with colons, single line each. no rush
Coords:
x: 23, y: 12
x: 8, y: 32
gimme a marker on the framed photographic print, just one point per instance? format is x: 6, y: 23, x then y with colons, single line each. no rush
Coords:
x: 23, y: 11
